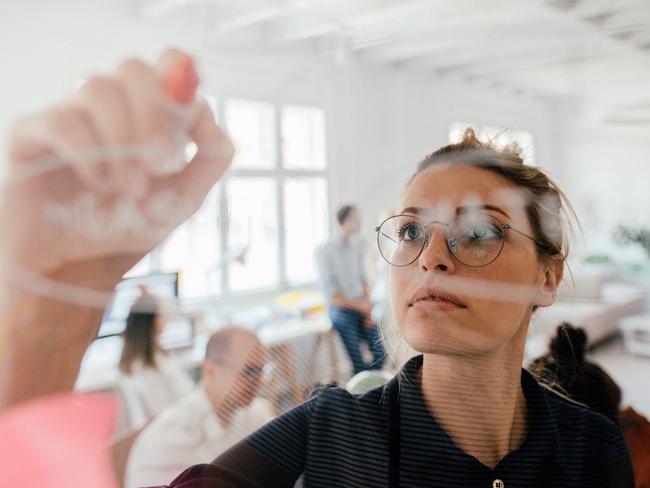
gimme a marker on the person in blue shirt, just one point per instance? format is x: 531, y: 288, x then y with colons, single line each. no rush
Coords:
x: 343, y: 281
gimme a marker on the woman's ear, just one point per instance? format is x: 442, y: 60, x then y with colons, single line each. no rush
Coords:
x: 551, y: 273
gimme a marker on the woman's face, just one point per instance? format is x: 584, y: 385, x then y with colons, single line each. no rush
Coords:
x: 435, y: 309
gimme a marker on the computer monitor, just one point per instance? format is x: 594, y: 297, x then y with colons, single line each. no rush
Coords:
x: 178, y: 333
x: 163, y: 285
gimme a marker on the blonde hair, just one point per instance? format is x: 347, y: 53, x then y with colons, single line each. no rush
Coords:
x: 549, y: 211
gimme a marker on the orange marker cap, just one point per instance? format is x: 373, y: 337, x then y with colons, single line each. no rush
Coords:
x: 182, y: 80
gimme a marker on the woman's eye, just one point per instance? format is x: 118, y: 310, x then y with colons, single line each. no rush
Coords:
x: 479, y: 232
x: 410, y: 232
x: 482, y: 232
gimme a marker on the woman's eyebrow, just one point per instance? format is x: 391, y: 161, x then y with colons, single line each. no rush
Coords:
x: 415, y: 210
x: 474, y: 208
x: 459, y: 210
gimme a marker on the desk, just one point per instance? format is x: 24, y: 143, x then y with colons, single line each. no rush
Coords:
x: 636, y: 334
x: 99, y: 367
x: 283, y: 341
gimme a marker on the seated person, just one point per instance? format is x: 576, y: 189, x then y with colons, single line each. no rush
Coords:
x: 583, y: 381
x: 150, y: 380
x: 589, y: 384
x: 217, y: 414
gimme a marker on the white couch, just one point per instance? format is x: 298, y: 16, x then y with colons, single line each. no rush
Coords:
x: 587, y: 301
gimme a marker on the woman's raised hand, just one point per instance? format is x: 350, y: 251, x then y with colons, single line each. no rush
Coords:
x: 98, y: 180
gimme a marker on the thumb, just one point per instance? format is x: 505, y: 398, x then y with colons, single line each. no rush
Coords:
x: 213, y: 157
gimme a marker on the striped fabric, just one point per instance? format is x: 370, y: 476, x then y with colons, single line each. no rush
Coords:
x: 339, y: 440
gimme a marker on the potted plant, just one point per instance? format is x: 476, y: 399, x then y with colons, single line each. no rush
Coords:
x: 626, y: 235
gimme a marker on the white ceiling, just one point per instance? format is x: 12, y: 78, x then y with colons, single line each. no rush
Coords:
x: 596, y: 51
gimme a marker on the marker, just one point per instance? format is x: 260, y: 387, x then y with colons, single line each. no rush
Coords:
x: 182, y: 80
x: 180, y: 83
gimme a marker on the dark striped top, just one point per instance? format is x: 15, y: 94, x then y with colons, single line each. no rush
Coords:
x: 336, y: 439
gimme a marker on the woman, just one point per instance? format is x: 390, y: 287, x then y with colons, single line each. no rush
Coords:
x: 566, y: 366
x: 150, y: 380
x: 586, y: 382
x: 478, y: 246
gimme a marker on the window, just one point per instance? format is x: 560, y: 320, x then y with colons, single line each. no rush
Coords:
x: 305, y: 203
x: 252, y: 127
x: 499, y: 136
x: 258, y: 228
x: 252, y: 233
x: 303, y: 138
x: 194, y: 250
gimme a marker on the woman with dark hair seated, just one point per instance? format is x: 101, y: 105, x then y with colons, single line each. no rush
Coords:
x: 150, y: 379
x: 566, y: 367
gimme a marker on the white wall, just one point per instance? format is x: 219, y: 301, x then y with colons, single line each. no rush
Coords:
x: 605, y: 169
x: 381, y: 121
x: 46, y: 47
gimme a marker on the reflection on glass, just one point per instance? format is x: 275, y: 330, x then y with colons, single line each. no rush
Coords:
x: 305, y: 206
x: 303, y: 138
x: 194, y: 250
x: 499, y: 136
x: 252, y: 233
x: 251, y: 125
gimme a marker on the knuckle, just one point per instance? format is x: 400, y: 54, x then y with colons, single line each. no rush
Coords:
x: 59, y: 118
x: 133, y: 67
x: 100, y: 87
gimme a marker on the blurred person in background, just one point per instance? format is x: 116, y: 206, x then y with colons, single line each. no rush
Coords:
x: 221, y: 411
x: 340, y: 266
x: 150, y: 379
x: 566, y: 366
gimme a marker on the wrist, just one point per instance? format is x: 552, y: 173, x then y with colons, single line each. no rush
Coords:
x: 44, y: 343
x: 43, y: 339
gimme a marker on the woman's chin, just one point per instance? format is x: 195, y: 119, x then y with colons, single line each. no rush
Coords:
x: 446, y: 337
x: 433, y: 341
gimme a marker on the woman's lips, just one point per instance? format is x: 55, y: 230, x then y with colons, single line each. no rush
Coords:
x: 434, y: 304
x: 430, y: 296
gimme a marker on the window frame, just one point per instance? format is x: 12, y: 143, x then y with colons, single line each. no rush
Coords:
x: 279, y: 175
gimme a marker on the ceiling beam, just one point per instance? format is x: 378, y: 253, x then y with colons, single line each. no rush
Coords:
x: 156, y: 8
x: 251, y: 17
x: 465, y: 57
x: 331, y: 19
x: 444, y: 15
x: 467, y: 36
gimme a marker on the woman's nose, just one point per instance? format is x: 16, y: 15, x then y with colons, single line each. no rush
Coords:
x: 436, y: 255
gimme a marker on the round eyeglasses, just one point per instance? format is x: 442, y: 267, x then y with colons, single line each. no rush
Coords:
x: 474, y: 240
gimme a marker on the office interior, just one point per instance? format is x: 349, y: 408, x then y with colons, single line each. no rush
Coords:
x: 332, y: 103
